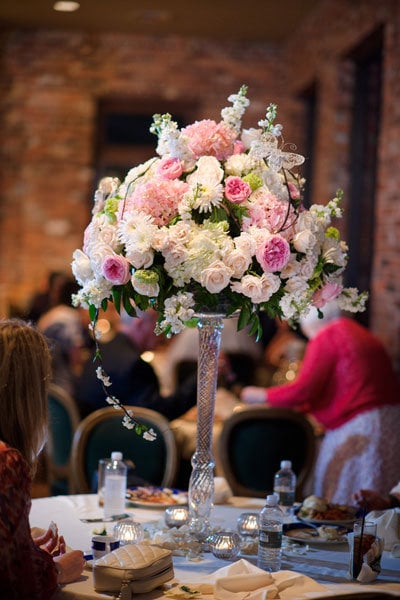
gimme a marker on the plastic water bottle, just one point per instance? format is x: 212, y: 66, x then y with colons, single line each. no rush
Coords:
x: 270, y: 535
x: 285, y: 485
x: 115, y: 485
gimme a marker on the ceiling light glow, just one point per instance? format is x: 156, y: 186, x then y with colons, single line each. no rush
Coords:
x: 65, y: 6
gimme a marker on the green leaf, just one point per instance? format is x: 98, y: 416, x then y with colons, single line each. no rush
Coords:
x: 116, y: 292
x: 244, y: 317
x: 93, y: 312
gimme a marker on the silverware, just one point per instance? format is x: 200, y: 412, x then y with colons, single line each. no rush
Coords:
x: 106, y: 519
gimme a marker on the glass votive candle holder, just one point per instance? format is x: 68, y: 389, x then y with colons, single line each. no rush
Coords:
x: 128, y: 531
x: 225, y: 544
x: 248, y: 524
x: 176, y: 516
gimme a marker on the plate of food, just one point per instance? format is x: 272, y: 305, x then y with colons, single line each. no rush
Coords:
x: 318, y: 511
x: 155, y: 497
x: 323, y: 535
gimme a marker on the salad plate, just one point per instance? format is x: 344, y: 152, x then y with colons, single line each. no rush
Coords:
x: 155, y: 497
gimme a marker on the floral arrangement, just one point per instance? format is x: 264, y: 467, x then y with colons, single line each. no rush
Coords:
x: 216, y: 217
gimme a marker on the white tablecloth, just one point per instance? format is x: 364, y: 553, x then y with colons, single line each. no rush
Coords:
x: 328, y: 566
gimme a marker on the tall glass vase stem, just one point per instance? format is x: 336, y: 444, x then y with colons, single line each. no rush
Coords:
x: 201, y: 485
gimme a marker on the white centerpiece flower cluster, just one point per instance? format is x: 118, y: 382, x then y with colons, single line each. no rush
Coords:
x: 216, y: 218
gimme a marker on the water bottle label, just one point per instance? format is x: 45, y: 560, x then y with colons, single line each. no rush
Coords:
x: 270, y: 539
x: 286, y: 498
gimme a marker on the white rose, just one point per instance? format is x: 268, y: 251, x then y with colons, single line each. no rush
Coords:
x: 258, y: 289
x: 175, y: 255
x: 304, y: 241
x: 98, y: 252
x: 238, y: 261
x: 81, y: 267
x: 208, y: 171
x: 215, y: 277
x: 296, y: 284
x: 238, y: 164
x: 292, y: 267
x: 140, y: 260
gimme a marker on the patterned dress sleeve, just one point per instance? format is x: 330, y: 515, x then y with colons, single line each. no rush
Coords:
x: 26, y: 571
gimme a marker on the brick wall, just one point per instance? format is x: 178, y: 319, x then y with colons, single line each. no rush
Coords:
x: 50, y: 84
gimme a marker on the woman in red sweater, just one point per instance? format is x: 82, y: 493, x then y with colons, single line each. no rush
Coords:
x: 347, y: 383
x: 29, y: 568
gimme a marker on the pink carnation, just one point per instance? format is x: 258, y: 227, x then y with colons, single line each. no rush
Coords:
x: 159, y: 198
x: 208, y: 138
x: 238, y: 147
x: 236, y: 190
x: 273, y: 254
x: 169, y: 168
x: 328, y: 292
x: 115, y: 268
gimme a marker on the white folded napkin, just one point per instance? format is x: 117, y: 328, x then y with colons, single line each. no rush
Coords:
x: 244, y: 581
x: 222, y: 491
x: 387, y: 525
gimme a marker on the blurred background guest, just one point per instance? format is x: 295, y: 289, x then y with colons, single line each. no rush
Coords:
x: 347, y: 383
x: 48, y: 298
x: 134, y: 381
x: 65, y: 328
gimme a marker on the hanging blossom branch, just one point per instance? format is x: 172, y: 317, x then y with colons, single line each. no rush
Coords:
x: 129, y: 421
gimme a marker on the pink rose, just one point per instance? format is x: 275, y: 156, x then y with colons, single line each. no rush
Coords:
x: 274, y: 254
x: 169, y: 168
x: 328, y: 292
x: 115, y: 268
x: 236, y: 190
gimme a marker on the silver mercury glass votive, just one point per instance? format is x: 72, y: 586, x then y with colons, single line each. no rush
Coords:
x: 225, y: 544
x: 248, y: 524
x: 176, y: 516
x: 128, y: 532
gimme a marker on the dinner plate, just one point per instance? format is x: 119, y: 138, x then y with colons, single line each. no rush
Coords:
x: 299, y: 532
x: 155, y: 497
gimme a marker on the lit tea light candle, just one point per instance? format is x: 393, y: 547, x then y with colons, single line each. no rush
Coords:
x: 225, y: 545
x: 175, y: 516
x: 128, y: 532
x: 248, y: 524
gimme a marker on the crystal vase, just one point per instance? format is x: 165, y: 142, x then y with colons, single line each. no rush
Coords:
x: 201, y: 484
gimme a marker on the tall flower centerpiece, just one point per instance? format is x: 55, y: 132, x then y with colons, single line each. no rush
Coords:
x: 214, y: 225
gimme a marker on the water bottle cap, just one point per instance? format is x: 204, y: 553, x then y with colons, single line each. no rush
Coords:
x: 286, y: 464
x: 272, y: 499
x: 116, y: 455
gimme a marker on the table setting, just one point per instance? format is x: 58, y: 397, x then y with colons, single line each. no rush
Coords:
x: 226, y: 569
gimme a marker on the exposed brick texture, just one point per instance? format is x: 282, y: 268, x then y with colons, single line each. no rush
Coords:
x: 51, y: 82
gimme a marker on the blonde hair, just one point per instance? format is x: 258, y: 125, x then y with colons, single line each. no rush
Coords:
x: 25, y: 371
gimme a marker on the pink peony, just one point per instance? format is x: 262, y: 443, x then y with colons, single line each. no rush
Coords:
x: 328, y: 292
x: 236, y: 190
x: 115, y: 268
x: 208, y: 138
x: 169, y: 168
x: 159, y: 198
x: 274, y: 254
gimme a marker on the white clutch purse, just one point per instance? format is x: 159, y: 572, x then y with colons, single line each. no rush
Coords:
x: 133, y: 569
